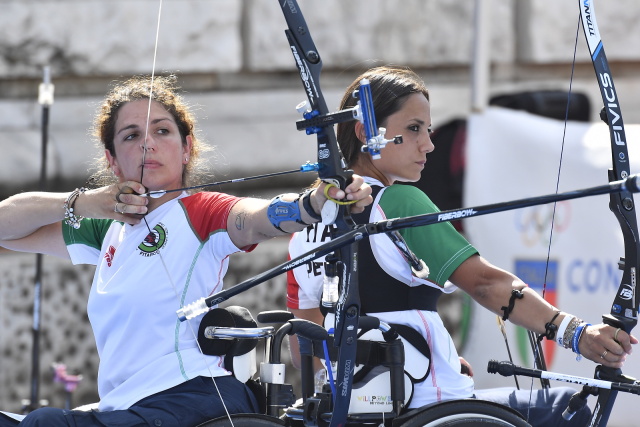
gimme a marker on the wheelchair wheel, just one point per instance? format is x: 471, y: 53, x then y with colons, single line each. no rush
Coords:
x: 244, y: 420
x: 464, y: 412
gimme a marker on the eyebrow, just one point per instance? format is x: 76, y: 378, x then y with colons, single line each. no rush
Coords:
x: 135, y: 126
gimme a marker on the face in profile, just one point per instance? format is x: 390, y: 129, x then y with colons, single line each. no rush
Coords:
x: 406, y: 161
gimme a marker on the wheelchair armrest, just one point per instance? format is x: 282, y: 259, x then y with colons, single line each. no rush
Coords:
x: 275, y: 316
x: 224, y: 332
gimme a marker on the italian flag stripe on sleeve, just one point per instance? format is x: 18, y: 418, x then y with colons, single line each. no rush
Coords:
x: 207, y: 212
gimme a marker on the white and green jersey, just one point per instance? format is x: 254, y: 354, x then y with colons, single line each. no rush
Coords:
x: 142, y: 278
x: 440, y: 246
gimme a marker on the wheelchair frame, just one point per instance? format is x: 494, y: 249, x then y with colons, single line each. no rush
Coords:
x: 315, y: 408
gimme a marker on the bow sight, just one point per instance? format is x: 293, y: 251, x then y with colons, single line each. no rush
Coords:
x: 363, y: 112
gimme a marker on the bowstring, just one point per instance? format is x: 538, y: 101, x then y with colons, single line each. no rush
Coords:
x: 162, y: 260
x: 564, y: 134
x: 557, y: 190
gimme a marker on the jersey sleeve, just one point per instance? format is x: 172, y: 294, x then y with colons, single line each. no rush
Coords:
x: 440, y: 245
x: 208, y: 213
x: 84, y: 243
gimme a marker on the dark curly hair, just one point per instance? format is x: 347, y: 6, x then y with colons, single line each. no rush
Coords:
x: 164, y: 90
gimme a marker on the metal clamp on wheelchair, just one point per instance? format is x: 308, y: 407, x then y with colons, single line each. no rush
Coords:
x: 279, y: 396
x: 380, y: 387
x: 233, y: 332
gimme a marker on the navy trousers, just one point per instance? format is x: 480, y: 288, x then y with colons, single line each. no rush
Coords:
x: 185, y: 405
x: 542, y: 408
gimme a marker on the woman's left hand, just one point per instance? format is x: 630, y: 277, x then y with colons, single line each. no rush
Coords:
x: 606, y: 345
x: 357, y: 190
x: 465, y: 367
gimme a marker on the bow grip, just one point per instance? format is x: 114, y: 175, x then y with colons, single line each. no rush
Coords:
x: 615, y: 322
x: 330, y: 209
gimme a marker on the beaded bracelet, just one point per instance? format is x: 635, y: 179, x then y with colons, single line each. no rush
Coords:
x: 70, y: 218
x: 576, y: 339
x: 550, y: 328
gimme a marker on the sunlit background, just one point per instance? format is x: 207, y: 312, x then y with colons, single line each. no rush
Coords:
x: 233, y: 61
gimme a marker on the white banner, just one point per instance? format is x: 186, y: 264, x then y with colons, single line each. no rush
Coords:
x: 513, y: 155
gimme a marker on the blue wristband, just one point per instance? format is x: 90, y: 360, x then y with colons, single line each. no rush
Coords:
x: 279, y: 211
x: 576, y: 337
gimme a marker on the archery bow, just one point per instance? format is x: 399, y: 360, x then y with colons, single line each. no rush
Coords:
x: 331, y: 169
x: 624, y: 309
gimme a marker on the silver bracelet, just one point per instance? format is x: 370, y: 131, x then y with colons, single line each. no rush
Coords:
x: 70, y: 218
x: 570, y: 331
x: 562, y: 328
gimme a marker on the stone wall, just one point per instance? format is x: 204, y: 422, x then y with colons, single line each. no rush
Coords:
x: 233, y: 60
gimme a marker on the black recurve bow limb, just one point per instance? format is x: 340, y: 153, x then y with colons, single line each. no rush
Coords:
x: 624, y: 309
x: 332, y: 168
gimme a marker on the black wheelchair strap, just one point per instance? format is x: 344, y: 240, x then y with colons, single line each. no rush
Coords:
x: 381, y: 292
x: 416, y: 339
x: 370, y: 354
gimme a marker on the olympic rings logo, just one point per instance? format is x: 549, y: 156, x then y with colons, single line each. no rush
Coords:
x: 534, y: 223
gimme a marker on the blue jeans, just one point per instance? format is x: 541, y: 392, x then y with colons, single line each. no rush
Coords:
x: 540, y: 407
x: 186, y: 405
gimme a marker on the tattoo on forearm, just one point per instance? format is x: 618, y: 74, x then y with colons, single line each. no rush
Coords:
x: 240, y: 218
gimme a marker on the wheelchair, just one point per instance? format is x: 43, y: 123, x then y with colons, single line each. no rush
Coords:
x: 380, y: 374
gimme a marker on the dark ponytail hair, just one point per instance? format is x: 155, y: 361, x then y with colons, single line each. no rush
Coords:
x: 390, y: 87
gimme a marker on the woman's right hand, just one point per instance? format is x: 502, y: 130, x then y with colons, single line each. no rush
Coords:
x: 606, y: 344
x: 119, y: 201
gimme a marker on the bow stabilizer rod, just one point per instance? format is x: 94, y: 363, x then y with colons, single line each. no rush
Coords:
x: 507, y: 369
x: 201, y: 306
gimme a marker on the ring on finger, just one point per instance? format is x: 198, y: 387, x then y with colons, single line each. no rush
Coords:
x: 615, y: 336
x: 604, y: 354
x: 116, y: 210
